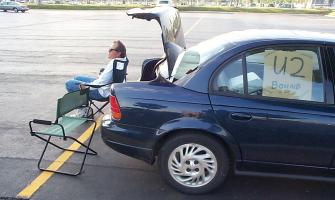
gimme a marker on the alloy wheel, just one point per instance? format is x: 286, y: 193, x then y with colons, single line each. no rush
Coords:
x: 192, y: 165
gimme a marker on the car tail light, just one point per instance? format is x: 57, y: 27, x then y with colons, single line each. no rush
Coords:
x: 115, y: 108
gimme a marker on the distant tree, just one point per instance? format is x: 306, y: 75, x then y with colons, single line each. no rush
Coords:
x: 234, y: 3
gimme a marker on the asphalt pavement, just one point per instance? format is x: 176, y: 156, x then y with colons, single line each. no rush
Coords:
x: 41, y: 49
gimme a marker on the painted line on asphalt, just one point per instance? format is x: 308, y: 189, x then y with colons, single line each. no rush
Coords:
x: 193, y: 26
x: 30, y: 189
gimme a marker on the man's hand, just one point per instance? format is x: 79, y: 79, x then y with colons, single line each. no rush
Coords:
x: 82, y: 87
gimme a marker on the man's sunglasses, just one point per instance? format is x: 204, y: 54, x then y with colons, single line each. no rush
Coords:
x: 111, y: 49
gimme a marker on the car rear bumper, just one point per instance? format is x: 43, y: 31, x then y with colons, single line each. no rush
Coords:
x: 136, y: 142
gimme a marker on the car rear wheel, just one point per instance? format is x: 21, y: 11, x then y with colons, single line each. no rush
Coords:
x: 193, y: 163
x: 16, y: 10
x: 5, y: 10
x: 23, y: 11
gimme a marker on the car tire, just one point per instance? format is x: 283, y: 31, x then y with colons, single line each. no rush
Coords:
x: 5, y: 10
x: 16, y: 10
x: 23, y: 11
x: 191, y: 176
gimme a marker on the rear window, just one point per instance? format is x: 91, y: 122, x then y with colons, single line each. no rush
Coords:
x: 186, y: 62
x: 189, y: 60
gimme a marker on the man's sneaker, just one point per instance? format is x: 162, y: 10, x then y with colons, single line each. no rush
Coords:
x: 82, y: 112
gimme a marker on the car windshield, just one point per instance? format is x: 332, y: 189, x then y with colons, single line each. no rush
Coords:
x: 190, y: 59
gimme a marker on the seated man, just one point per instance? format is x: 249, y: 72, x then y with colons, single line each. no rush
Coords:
x: 117, y: 51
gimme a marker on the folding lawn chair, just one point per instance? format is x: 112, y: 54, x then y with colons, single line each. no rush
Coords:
x: 64, y: 126
x: 119, y: 76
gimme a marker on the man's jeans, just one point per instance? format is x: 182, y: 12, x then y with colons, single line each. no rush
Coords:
x: 73, y: 85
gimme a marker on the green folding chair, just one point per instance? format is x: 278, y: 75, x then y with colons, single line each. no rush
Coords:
x: 64, y: 126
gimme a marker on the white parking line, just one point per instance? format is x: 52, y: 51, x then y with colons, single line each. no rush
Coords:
x: 194, y: 25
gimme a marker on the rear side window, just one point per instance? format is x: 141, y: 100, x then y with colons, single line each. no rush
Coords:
x: 289, y: 73
x: 278, y: 72
x: 230, y: 79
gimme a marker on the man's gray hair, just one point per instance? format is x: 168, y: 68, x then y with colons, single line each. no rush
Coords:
x: 121, y: 48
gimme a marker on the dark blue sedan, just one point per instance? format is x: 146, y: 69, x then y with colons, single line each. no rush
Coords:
x: 254, y: 102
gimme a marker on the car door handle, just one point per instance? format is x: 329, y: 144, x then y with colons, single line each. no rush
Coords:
x: 241, y: 116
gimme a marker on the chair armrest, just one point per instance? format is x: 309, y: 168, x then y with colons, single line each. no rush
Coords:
x: 40, y: 121
x: 101, y: 70
x: 44, y: 122
x: 97, y: 86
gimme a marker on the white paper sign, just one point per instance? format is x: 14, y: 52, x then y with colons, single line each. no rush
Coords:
x: 119, y: 66
x: 288, y: 74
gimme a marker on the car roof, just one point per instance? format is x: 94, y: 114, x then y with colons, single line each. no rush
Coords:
x: 236, y: 39
x: 256, y: 35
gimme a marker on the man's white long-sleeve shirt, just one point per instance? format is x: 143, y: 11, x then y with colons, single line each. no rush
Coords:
x: 106, y: 76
